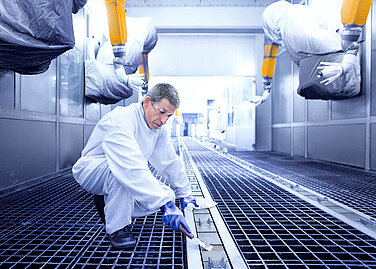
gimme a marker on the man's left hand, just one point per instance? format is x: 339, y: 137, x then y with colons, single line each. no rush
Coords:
x: 188, y: 201
x: 173, y: 217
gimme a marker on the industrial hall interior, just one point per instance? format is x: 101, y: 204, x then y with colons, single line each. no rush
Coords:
x: 188, y: 134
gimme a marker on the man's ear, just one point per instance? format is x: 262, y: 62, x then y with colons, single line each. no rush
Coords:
x: 147, y: 100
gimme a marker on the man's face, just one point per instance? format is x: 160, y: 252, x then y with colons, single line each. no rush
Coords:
x: 157, y: 113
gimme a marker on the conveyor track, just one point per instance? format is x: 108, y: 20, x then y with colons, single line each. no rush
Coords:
x: 274, y: 228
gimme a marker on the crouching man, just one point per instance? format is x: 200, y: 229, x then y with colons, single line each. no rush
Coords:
x: 114, y: 166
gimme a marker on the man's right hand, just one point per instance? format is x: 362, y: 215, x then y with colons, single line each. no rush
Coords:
x: 173, y: 217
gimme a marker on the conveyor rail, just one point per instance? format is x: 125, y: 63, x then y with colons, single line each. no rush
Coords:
x: 275, y: 229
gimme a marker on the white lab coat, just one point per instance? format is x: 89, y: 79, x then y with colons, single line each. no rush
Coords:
x: 297, y: 27
x: 114, y: 163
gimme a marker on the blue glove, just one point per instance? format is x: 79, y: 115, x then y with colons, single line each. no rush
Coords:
x: 173, y: 217
x: 186, y: 200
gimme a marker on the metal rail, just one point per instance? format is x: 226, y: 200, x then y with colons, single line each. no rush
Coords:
x: 273, y: 227
x: 211, y: 226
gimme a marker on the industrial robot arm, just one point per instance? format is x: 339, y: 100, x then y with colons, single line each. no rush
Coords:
x: 118, y: 35
x: 354, y: 15
x: 144, y: 69
x: 268, y: 66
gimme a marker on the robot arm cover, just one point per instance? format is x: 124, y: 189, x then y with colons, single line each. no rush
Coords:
x: 354, y: 15
x: 144, y: 69
x: 355, y: 12
x: 117, y: 25
x: 270, y: 58
x: 268, y: 66
x: 118, y: 35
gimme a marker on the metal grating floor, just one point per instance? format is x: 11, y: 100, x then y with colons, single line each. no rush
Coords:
x: 275, y: 229
x: 55, y: 225
x: 350, y: 186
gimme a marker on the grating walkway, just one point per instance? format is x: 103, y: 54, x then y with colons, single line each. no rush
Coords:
x: 273, y: 228
x: 55, y: 225
x: 350, y: 186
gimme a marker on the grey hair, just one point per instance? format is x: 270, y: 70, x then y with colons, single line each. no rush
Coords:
x: 164, y: 90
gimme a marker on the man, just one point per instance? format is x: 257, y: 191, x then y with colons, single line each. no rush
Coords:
x: 114, y: 164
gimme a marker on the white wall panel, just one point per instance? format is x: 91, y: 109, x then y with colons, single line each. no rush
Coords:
x: 299, y: 101
x: 38, y: 92
x: 88, y: 129
x: 27, y: 150
x: 203, y: 55
x: 281, y: 139
x: 71, y: 143
x: 318, y: 110
x: 373, y: 146
x: 349, y: 108
x: 201, y: 17
x: 338, y: 143
x: 198, y: 3
x: 71, y: 83
x: 373, y: 59
x: 299, y: 141
x: 194, y: 91
x: 282, y: 90
x: 231, y: 135
x: 6, y: 88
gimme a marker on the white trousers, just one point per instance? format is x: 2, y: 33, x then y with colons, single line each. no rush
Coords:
x: 96, y: 177
x: 120, y: 207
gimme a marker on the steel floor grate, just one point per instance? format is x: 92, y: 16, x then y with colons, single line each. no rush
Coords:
x: 55, y: 225
x: 350, y: 186
x: 275, y: 229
